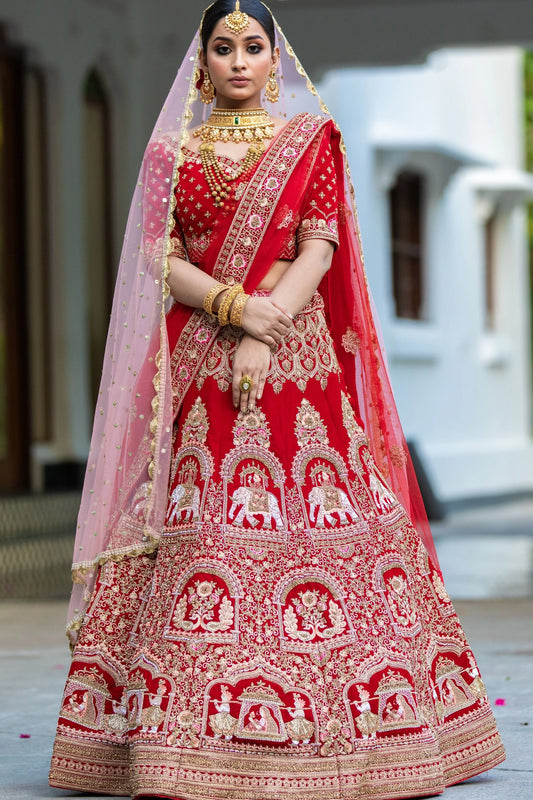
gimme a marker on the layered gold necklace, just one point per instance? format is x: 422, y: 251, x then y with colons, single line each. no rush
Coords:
x: 228, y: 125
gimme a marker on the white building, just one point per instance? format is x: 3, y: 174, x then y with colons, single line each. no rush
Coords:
x: 81, y: 82
x: 437, y: 157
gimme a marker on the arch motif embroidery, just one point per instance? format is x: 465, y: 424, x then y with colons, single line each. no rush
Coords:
x: 456, y: 681
x: 382, y: 700
x: 259, y: 705
x: 392, y: 581
x: 254, y: 508
x: 149, y: 698
x: 206, y: 606
x: 312, y: 614
x: 191, y: 471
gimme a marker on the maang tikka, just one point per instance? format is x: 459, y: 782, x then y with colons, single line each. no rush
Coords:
x: 237, y: 21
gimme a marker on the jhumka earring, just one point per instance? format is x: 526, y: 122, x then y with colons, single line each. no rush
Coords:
x: 207, y: 90
x: 272, y: 88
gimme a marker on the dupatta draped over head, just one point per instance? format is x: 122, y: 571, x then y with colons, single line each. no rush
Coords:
x: 125, y: 493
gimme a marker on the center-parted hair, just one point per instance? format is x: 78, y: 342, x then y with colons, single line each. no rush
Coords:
x: 220, y: 9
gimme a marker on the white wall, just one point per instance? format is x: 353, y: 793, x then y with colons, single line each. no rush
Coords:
x: 463, y: 393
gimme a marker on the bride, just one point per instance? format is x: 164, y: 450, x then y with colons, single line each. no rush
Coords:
x: 251, y: 534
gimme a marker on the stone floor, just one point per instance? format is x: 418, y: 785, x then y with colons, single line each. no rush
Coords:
x: 487, y: 559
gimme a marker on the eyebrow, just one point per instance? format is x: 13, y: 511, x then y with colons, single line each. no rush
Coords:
x: 247, y: 38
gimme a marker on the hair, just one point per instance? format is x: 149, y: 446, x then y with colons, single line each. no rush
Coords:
x: 221, y: 8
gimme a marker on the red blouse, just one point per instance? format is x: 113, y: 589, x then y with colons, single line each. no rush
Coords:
x: 199, y: 224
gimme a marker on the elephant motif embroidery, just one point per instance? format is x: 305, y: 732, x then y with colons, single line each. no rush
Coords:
x: 253, y: 480
x: 326, y: 500
x: 256, y: 504
x: 184, y: 503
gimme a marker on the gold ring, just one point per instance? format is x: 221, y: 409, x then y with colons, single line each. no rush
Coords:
x: 246, y: 384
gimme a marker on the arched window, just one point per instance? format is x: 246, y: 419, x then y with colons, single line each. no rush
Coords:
x: 406, y: 200
x: 98, y: 215
x: 14, y: 385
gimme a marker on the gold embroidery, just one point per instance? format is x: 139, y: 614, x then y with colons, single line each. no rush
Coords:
x: 306, y: 353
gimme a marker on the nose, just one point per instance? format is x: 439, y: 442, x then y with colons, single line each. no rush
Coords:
x: 239, y: 60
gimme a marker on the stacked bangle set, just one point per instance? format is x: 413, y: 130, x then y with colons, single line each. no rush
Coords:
x: 232, y: 305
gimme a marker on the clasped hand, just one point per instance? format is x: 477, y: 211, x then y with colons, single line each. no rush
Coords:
x: 265, y: 324
x: 266, y: 321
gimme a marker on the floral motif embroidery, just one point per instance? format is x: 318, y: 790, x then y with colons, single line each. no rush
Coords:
x: 351, y: 342
x: 206, y: 606
x: 309, y: 427
x: 196, y: 425
x: 251, y: 428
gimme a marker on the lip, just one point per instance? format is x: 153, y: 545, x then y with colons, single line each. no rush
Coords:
x: 239, y: 81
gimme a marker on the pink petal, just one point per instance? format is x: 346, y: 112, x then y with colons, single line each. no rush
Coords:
x: 24, y: 736
x: 500, y: 701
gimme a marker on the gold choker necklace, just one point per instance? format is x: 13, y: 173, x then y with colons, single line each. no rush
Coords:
x: 233, y: 125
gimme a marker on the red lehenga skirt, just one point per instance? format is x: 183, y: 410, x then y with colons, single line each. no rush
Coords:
x: 290, y: 638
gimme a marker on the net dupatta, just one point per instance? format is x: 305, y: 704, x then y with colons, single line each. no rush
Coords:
x: 124, y: 498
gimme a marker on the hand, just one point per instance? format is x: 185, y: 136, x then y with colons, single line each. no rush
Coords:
x: 266, y: 321
x: 251, y: 358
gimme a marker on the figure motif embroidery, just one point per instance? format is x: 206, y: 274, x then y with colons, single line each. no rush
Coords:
x: 222, y: 723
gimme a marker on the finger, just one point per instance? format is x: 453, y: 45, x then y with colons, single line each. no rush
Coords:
x: 258, y: 381
x: 235, y: 390
x: 261, y: 386
x: 283, y: 311
x: 244, y: 401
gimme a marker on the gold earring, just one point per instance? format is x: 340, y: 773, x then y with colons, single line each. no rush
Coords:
x: 207, y: 90
x: 272, y: 88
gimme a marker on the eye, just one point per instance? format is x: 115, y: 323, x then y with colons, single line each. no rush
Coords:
x: 223, y: 50
x: 255, y: 48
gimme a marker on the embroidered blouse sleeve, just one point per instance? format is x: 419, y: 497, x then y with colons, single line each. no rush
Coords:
x: 319, y: 214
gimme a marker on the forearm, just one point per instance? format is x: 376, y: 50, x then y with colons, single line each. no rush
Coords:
x: 189, y: 284
x: 300, y: 281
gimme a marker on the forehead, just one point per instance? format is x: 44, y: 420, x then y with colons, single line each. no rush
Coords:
x: 254, y: 28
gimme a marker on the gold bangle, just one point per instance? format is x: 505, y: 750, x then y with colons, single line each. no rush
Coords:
x: 237, y: 308
x: 211, y: 296
x: 227, y: 300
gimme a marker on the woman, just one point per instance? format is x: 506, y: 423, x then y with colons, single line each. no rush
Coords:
x: 251, y: 596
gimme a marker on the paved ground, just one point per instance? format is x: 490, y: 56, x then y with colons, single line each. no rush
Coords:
x: 487, y: 559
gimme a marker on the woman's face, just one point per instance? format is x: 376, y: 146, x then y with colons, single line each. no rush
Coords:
x: 239, y: 64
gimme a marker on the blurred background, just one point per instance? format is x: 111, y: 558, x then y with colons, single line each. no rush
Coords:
x: 435, y: 100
